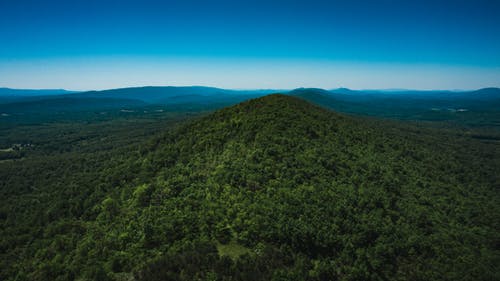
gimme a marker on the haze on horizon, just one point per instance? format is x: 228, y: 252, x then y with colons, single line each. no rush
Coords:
x: 84, y: 45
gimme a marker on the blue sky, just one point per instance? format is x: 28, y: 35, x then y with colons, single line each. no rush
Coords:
x: 91, y: 44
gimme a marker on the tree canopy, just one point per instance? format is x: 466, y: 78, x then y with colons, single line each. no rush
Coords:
x: 273, y: 188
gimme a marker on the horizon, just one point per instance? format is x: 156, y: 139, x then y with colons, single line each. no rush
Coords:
x: 388, y: 90
x: 376, y: 44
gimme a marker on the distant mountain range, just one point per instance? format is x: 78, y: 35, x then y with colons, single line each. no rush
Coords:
x: 484, y: 93
x: 10, y: 99
x: 399, y: 104
x: 159, y: 94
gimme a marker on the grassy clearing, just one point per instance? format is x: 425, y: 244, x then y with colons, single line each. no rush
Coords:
x: 232, y: 249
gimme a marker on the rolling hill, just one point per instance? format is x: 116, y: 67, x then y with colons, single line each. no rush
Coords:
x: 472, y: 108
x: 169, y: 94
x: 29, y: 105
x: 464, y: 108
x: 68, y: 104
x: 8, y: 95
x: 8, y: 92
x: 273, y: 188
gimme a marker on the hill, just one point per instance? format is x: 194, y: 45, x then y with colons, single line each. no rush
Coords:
x: 175, y: 95
x: 480, y: 94
x: 64, y: 104
x: 49, y: 106
x: 8, y: 95
x: 8, y: 92
x: 274, y: 188
x: 472, y: 108
x: 465, y: 108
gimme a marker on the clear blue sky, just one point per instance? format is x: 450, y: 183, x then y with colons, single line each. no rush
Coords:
x: 96, y: 44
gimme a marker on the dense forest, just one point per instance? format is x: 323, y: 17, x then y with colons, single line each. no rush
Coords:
x: 274, y: 188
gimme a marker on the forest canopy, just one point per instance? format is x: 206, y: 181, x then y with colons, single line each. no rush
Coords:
x: 273, y: 188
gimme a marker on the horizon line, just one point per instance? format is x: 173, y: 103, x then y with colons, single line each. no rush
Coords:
x: 252, y: 89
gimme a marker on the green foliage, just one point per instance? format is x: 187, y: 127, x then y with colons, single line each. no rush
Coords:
x: 142, y: 195
x: 223, y: 234
x: 270, y: 189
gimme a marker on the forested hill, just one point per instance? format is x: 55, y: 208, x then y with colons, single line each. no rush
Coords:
x: 273, y: 188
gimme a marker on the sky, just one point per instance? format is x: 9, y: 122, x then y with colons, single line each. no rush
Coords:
x: 273, y: 44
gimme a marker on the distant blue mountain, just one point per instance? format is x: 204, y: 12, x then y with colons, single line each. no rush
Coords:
x: 8, y: 95
x: 189, y: 98
x: 479, y: 107
x: 401, y: 104
x: 170, y: 94
x: 481, y: 94
x: 8, y: 92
